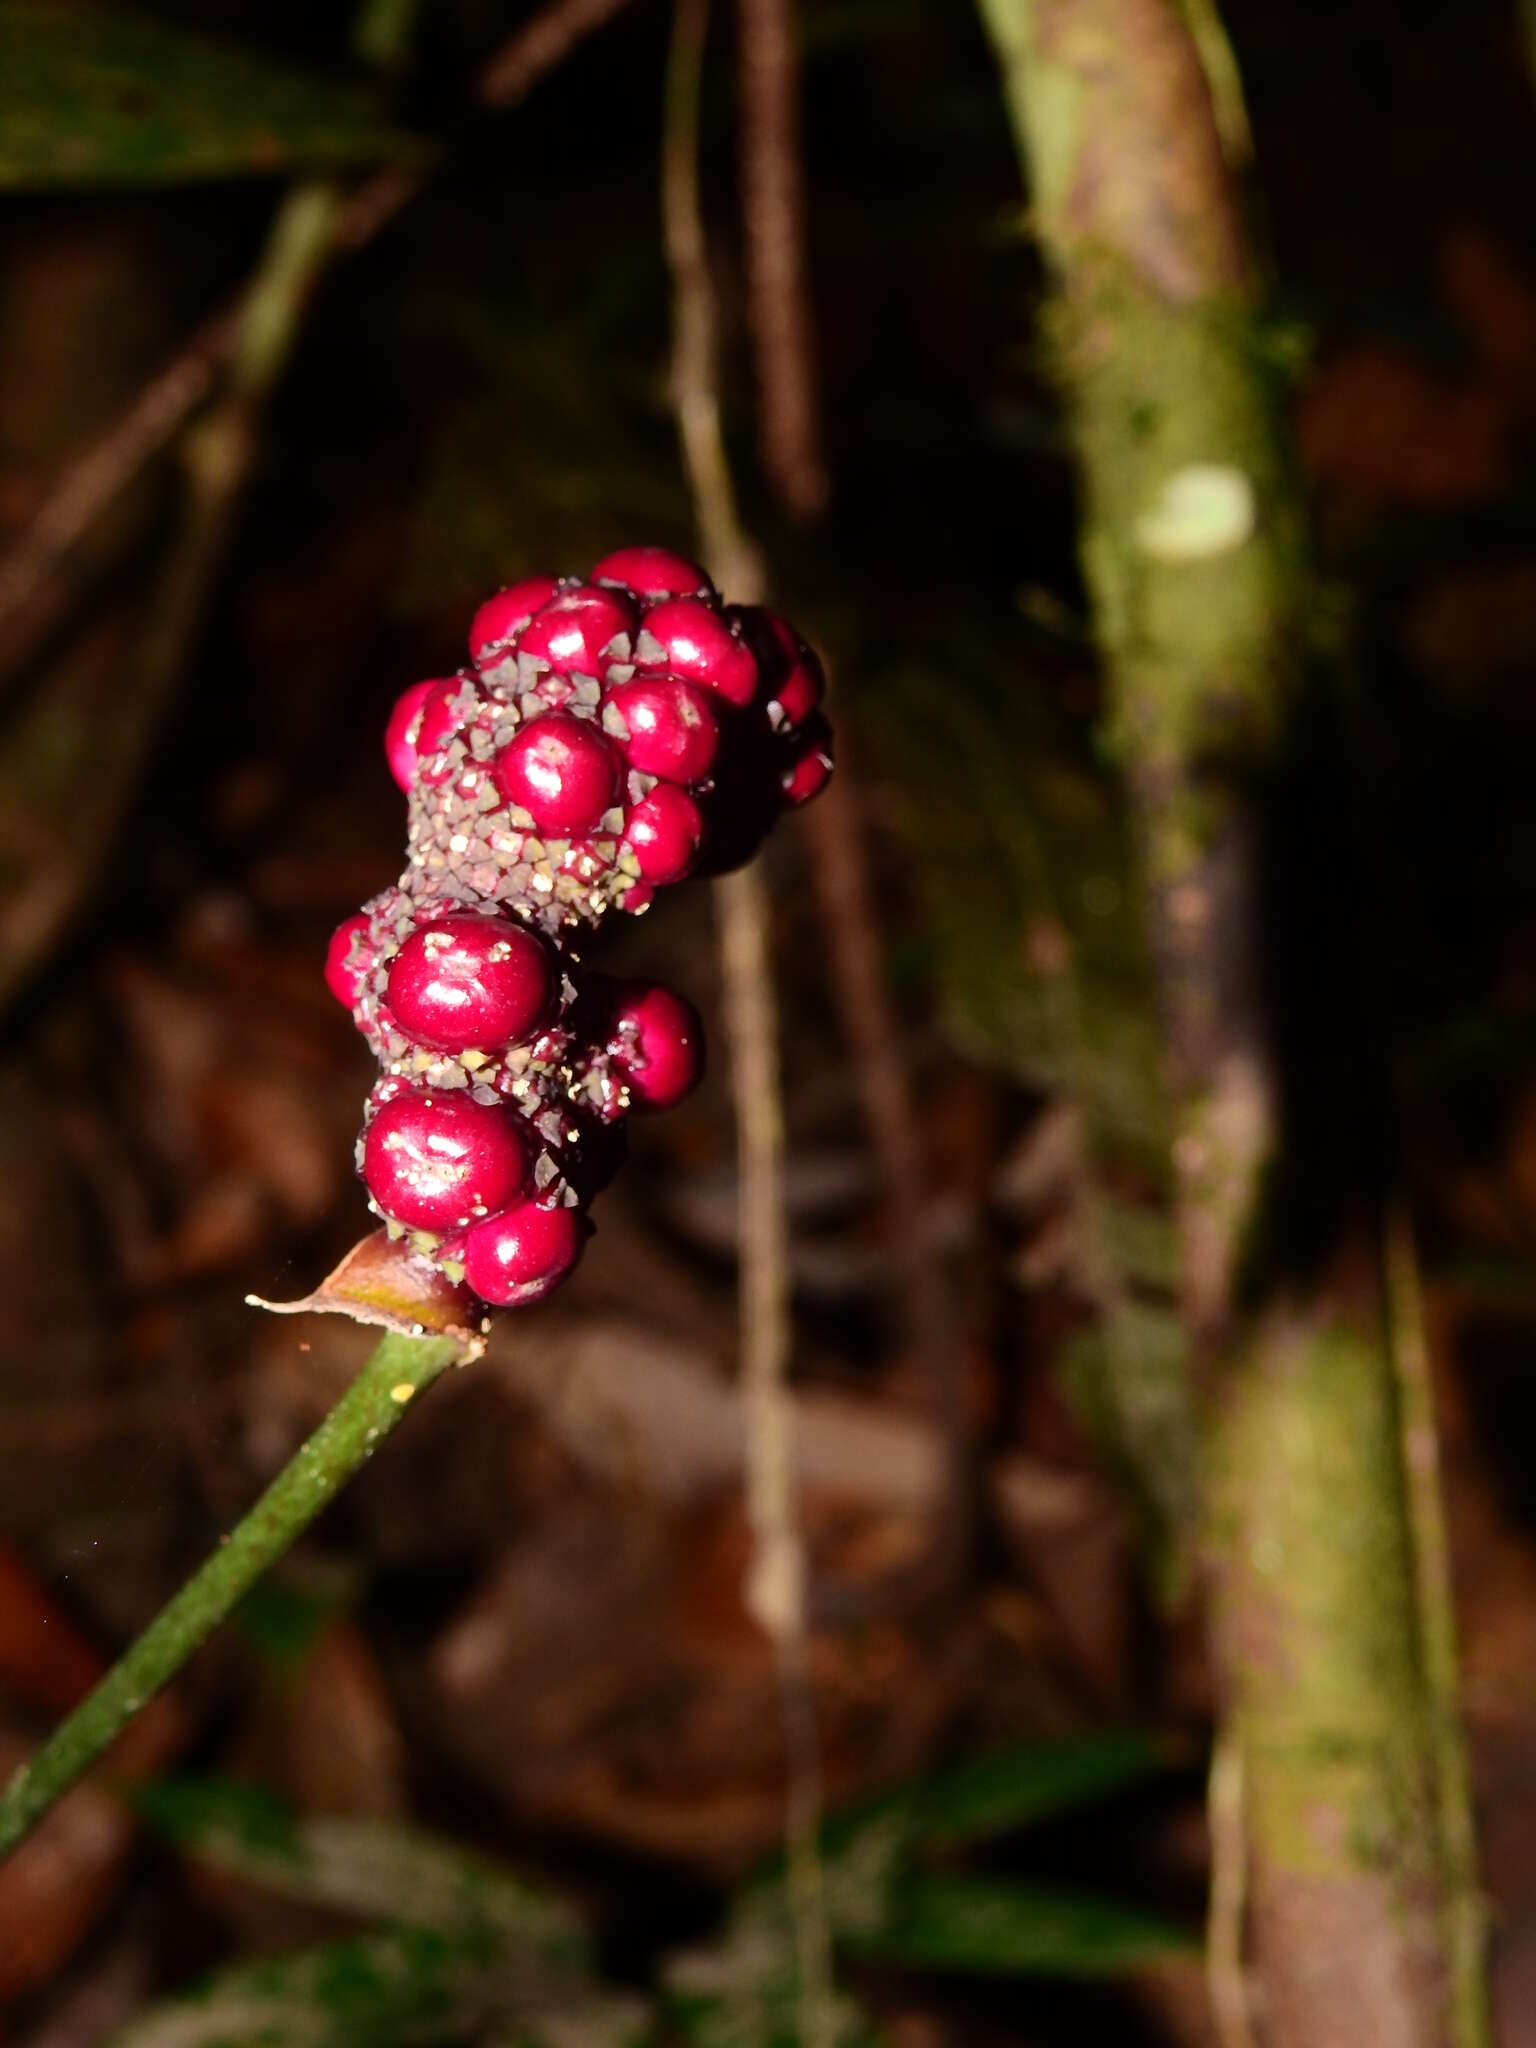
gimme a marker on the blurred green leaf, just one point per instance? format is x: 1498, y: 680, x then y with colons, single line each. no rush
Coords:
x: 990, y: 1795
x: 376, y: 1869
x: 944, y: 1921
x: 90, y: 96
x: 742, y: 1991
x: 395, y: 1990
x: 380, y: 1991
x: 475, y: 1950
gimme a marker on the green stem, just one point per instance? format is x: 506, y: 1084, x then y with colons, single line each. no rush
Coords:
x: 398, y: 1370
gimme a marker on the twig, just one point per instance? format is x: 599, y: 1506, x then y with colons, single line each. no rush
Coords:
x: 88, y: 486
x: 1466, y: 1919
x: 525, y: 56
x: 776, y: 1590
x: 86, y: 489
x: 776, y: 1593
x: 400, y: 1368
x: 781, y: 327
x: 774, y: 205
x: 695, y: 385
x: 218, y: 460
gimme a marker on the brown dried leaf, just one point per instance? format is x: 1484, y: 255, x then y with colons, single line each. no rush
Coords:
x: 382, y: 1281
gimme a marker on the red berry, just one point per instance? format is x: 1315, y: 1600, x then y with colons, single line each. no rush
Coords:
x: 574, y: 630
x: 808, y: 774
x: 522, y: 1254
x: 500, y: 616
x: 423, y: 717
x: 434, y: 1160
x: 444, y: 711
x: 686, y: 637
x: 794, y: 676
x: 665, y: 830
x: 347, y: 964
x: 399, y: 747
x: 657, y: 1043
x: 561, y: 770
x: 466, y: 980
x: 653, y: 572
x: 798, y: 695
x: 673, y: 731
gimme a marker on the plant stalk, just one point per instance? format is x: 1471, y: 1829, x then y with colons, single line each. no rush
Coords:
x: 400, y: 1369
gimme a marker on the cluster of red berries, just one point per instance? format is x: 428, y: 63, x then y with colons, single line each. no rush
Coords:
x: 611, y: 735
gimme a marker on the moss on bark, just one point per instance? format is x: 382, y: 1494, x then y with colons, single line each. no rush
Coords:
x: 1194, y: 547
x: 1316, y: 1633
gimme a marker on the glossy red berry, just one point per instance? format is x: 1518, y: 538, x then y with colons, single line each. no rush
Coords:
x: 500, y: 616
x: 810, y: 771
x: 437, y: 1159
x: 522, y: 1254
x: 561, y: 770
x: 673, y: 730
x: 797, y: 697
x: 794, y: 679
x: 657, y: 1043
x: 444, y: 711
x: 574, y: 631
x: 606, y: 716
x: 348, y: 959
x: 684, y: 636
x: 466, y: 981
x: 399, y: 746
x: 665, y: 830
x: 653, y: 572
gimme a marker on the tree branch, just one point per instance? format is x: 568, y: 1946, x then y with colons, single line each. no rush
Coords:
x: 1194, y: 546
x: 774, y: 206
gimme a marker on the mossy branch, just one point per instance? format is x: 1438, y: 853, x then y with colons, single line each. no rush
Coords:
x: 1195, y: 550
